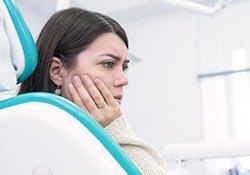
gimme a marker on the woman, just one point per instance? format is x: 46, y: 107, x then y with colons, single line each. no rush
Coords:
x: 83, y: 56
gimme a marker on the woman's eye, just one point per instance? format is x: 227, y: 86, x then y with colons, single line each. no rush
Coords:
x: 108, y: 64
x: 125, y: 68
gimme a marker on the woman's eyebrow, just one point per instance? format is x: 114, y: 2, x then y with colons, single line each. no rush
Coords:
x: 115, y: 57
x: 111, y: 55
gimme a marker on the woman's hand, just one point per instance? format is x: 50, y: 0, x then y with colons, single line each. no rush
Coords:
x: 94, y: 98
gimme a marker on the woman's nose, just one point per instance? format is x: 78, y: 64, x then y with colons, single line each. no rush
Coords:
x: 121, y: 80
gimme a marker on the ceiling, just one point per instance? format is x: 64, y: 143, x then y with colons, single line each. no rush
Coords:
x: 123, y: 10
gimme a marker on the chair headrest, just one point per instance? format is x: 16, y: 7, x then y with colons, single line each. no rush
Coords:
x: 18, y: 53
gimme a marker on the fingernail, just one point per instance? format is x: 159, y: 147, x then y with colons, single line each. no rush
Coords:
x: 76, y: 78
x: 97, y: 81
x: 85, y: 78
x: 70, y: 85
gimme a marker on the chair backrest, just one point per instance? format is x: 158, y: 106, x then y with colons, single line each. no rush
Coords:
x: 40, y: 130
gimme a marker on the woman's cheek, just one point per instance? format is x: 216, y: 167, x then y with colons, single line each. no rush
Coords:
x: 64, y: 89
x: 103, y: 79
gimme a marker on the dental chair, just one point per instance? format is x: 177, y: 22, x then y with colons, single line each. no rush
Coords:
x: 42, y: 133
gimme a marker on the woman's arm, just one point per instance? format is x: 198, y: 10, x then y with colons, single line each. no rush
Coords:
x: 144, y: 155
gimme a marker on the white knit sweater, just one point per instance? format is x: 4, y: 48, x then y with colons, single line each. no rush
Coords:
x: 144, y: 155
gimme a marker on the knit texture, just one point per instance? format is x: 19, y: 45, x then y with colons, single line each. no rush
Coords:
x: 144, y: 155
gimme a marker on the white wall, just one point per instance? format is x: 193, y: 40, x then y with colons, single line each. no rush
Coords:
x: 219, y: 36
x: 163, y: 98
x: 163, y: 101
x: 34, y: 19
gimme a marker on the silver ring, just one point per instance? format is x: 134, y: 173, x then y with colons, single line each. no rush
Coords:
x: 101, y: 105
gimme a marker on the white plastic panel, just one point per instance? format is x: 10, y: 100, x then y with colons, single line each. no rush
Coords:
x: 41, y: 136
x: 7, y: 72
x: 16, y: 51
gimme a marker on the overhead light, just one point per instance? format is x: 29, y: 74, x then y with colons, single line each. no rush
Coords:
x: 198, y: 7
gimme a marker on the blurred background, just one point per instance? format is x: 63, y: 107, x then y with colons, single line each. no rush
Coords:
x: 189, y: 79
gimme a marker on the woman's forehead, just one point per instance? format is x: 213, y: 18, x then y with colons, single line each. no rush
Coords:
x: 108, y: 44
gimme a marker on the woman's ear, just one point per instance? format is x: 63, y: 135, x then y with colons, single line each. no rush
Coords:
x: 56, y: 70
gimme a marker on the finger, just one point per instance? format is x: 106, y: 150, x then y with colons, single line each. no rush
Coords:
x: 105, y: 93
x: 75, y: 97
x: 83, y: 94
x: 94, y: 92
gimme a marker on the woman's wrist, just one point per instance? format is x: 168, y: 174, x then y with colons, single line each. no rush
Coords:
x: 119, y: 129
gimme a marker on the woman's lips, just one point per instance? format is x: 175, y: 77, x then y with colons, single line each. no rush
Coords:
x: 118, y: 99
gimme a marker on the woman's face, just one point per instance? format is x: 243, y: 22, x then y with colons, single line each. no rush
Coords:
x: 106, y: 59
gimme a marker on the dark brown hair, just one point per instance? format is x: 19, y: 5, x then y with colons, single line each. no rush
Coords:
x: 65, y: 35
